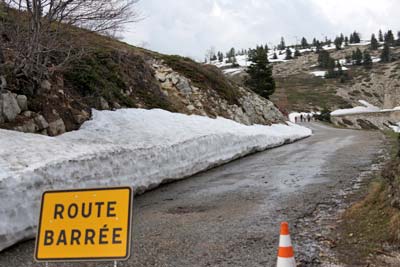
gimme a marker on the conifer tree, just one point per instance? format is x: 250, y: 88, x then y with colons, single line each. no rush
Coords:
x: 220, y: 56
x: 314, y: 42
x: 358, y: 57
x: 275, y: 56
x: 398, y: 39
x: 324, y: 59
x: 367, y: 60
x: 288, y: 54
x: 331, y: 73
x: 282, y: 45
x: 389, y: 37
x: 304, y: 43
x: 380, y: 36
x: 318, y: 47
x: 374, y: 43
x: 385, y: 56
x: 338, y: 43
x: 346, y: 41
x: 260, y: 78
x: 356, y: 37
x: 297, y: 53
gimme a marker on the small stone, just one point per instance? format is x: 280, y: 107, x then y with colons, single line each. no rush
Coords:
x: 190, y: 107
x: 45, y: 85
x: 22, y: 102
x: 104, y: 104
x: 28, y: 114
x: 41, y: 122
x: 56, y: 127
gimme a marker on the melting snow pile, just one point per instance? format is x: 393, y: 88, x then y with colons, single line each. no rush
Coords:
x: 140, y: 148
x: 366, y: 108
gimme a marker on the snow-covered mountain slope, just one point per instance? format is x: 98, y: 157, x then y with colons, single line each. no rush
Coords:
x: 135, y: 147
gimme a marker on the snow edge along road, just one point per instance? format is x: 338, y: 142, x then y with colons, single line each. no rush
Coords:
x: 136, y: 147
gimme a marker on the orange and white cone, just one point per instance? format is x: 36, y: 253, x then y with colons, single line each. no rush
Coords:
x: 285, y: 253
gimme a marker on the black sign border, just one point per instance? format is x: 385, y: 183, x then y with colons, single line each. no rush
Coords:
x: 129, y: 238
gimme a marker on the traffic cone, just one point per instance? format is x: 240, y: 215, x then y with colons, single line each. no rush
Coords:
x: 285, y: 253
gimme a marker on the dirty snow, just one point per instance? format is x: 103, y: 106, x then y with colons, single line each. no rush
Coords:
x: 135, y: 147
x: 319, y: 73
x: 367, y: 107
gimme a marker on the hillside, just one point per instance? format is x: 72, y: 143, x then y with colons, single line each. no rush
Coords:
x: 112, y: 75
x: 302, y: 87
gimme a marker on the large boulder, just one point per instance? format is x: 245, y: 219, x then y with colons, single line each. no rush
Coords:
x: 10, y: 108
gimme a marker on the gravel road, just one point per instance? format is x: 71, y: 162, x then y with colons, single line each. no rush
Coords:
x: 230, y: 215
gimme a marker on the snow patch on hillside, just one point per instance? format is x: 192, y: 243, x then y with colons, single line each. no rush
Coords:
x: 366, y: 108
x: 135, y: 147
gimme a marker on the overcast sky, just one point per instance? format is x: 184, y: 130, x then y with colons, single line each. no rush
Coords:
x: 190, y: 27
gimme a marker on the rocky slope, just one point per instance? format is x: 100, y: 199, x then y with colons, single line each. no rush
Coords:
x: 113, y: 75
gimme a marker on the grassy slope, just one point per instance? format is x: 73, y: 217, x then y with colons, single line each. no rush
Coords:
x: 299, y: 90
x: 372, y: 225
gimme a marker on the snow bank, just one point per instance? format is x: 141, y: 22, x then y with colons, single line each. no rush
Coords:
x: 319, y: 73
x: 366, y: 108
x: 140, y: 148
x: 395, y: 128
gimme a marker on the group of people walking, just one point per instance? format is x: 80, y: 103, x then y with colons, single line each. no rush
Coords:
x: 304, y: 118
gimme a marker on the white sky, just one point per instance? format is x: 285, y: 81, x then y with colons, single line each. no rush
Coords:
x: 190, y: 27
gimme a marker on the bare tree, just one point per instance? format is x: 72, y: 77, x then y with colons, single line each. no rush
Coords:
x: 41, y: 32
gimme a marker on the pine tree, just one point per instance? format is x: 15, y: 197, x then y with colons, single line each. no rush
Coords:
x: 398, y: 39
x: 351, y: 38
x: 342, y: 37
x: 282, y: 45
x: 220, y: 56
x: 389, y: 38
x: 275, y: 56
x: 385, y: 56
x: 318, y: 47
x: 331, y: 73
x: 297, y: 53
x: 324, y: 59
x: 304, y: 43
x: 260, y: 78
x: 367, y: 60
x: 266, y: 48
x: 314, y: 42
x: 339, y: 69
x: 374, y: 43
x: 231, y: 55
x: 357, y: 38
x: 358, y: 57
x: 346, y: 41
x: 380, y: 36
x: 288, y: 54
x: 338, y: 43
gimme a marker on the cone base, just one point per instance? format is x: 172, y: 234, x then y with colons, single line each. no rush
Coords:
x: 286, y: 262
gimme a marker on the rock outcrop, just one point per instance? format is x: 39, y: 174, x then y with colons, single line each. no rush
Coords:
x: 250, y: 109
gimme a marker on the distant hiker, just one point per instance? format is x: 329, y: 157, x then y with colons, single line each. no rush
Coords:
x: 301, y: 117
x: 309, y: 118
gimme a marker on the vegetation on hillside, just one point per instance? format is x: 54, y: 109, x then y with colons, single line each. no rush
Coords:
x: 260, y: 78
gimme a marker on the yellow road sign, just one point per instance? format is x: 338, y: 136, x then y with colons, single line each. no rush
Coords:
x: 87, y: 224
